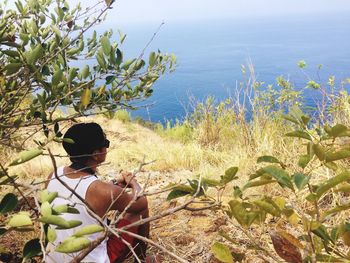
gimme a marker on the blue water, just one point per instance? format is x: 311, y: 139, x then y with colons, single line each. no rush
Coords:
x: 210, y: 55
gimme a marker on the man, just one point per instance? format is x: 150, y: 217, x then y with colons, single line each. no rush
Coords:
x: 86, y: 144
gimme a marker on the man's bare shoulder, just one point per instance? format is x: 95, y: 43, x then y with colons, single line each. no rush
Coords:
x: 103, y: 188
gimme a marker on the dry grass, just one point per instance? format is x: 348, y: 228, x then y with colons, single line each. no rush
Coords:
x: 190, y: 234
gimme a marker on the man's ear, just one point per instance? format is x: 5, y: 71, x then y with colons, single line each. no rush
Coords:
x: 95, y: 155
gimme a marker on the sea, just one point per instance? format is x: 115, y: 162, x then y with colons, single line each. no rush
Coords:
x: 210, y: 56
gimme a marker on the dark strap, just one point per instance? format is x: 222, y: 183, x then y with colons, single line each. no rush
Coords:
x: 83, y: 168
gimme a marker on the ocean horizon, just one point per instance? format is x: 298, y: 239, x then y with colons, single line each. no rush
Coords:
x: 210, y: 55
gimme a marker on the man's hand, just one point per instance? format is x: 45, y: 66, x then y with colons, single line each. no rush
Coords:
x: 129, y: 178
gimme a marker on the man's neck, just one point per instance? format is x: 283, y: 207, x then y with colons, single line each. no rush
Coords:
x: 84, y: 168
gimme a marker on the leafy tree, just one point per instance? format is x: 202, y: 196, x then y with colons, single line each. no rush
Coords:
x: 50, y: 61
x: 54, y: 68
x: 307, y: 218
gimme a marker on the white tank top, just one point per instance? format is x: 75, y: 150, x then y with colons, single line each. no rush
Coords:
x: 99, y: 254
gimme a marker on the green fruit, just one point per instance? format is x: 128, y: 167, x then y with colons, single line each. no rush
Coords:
x: 46, y: 196
x: 54, y: 220
x: 88, y: 230
x: 74, y: 223
x: 71, y: 224
x: 51, y: 234
x: 20, y: 219
x: 46, y: 209
x: 59, y: 209
x: 73, y: 244
x: 26, y: 156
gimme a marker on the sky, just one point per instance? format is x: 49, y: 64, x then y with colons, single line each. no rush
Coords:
x: 156, y: 11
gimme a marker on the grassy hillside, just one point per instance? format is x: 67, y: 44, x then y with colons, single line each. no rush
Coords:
x: 215, y: 137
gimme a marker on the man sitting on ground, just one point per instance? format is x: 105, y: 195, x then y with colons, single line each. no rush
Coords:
x: 87, y: 150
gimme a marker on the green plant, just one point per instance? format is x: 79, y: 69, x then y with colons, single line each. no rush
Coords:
x: 122, y: 115
x: 182, y: 132
x: 41, y: 43
x: 305, y: 209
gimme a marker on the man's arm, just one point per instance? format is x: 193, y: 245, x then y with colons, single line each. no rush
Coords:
x: 102, y: 196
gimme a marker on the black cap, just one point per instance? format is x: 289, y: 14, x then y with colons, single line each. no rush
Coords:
x: 87, y: 138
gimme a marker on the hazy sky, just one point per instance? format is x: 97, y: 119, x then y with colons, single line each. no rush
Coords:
x: 141, y: 11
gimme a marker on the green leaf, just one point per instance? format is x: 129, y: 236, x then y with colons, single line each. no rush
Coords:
x: 237, y: 192
x: 73, y: 72
x: 331, y: 165
x: 211, y: 182
x: 345, y: 188
x: 323, y: 188
x: 122, y: 36
x: 32, y: 248
x: 85, y: 97
x: 10, y: 53
x: 321, y: 231
x: 106, y: 45
x: 152, y: 59
x: 300, y: 180
x: 112, y: 57
x: 304, y: 160
x: 35, y: 54
x: 26, y: 156
x: 222, y: 252
x: 280, y: 175
x: 180, y: 191
x: 257, y: 174
x: 339, y: 130
x: 229, y: 175
x: 290, y: 118
x: 342, y: 154
x: 268, y: 207
x: 12, y: 68
x: 56, y: 31
x: 299, y: 134
x: 57, y: 77
x: 119, y: 57
x: 101, y: 61
x: 85, y: 71
x: 3, y: 230
x: 336, y: 209
x: 320, y: 152
x: 258, y: 183
x: 227, y: 237
x: 8, y: 203
x: 139, y: 64
x: 110, y: 79
x: 127, y: 64
x: 305, y: 119
x: 268, y: 159
x: 239, y: 212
